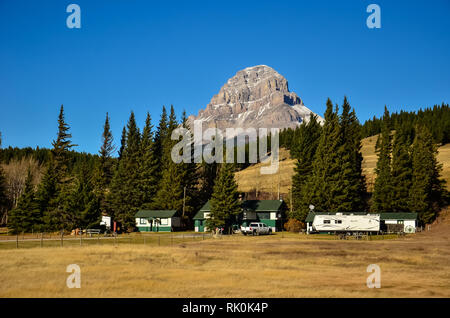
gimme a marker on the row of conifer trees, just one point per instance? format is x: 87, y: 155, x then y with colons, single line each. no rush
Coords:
x: 142, y: 176
x: 328, y: 173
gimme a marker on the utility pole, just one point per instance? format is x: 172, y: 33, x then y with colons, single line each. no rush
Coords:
x: 184, y: 199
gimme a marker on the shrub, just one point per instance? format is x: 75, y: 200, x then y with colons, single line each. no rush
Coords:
x: 294, y: 225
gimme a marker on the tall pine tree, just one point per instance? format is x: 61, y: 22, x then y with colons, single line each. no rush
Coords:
x: 426, y: 190
x: 382, y: 192
x: 350, y: 185
x: 104, y: 171
x: 148, y: 169
x: 171, y: 189
x: 305, y: 142
x: 56, y: 182
x: 125, y: 196
x: 322, y: 183
x: 401, y: 172
x: 225, y: 204
x: 61, y: 147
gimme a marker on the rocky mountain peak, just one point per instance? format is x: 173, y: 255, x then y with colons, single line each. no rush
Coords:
x: 257, y: 97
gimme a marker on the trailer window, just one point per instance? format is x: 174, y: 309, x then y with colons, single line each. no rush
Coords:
x: 143, y: 221
x: 337, y: 221
x: 326, y: 221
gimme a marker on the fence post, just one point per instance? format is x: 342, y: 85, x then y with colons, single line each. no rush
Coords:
x: 62, y: 238
x: 81, y: 239
x: 42, y: 239
x: 17, y: 240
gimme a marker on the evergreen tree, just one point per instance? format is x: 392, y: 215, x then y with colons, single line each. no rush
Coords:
x: 56, y: 182
x: 149, y: 169
x: 426, y: 190
x: 190, y: 179
x: 125, y: 196
x: 350, y: 185
x: 171, y: 185
x: 170, y: 193
x: 160, y: 136
x: 382, y: 192
x: 61, y: 147
x: 225, y: 205
x: 322, y: 183
x: 401, y: 172
x: 81, y: 205
x: 104, y: 171
x: 26, y: 216
x: 47, y: 194
x: 123, y: 142
x: 207, y: 172
x: 305, y: 142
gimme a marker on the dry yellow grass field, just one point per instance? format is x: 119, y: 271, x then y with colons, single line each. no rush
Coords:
x: 272, y: 266
x: 250, y: 178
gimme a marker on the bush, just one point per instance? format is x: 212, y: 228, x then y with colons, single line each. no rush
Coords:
x: 294, y: 225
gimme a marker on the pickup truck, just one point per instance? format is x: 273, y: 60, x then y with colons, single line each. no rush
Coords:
x: 256, y: 228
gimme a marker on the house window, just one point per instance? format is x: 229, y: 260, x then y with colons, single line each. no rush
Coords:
x: 337, y: 221
x: 326, y: 221
x: 143, y: 221
x: 399, y: 221
x: 264, y: 215
x: 164, y: 221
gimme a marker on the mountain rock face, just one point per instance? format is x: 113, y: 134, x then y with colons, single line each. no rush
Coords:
x: 255, y: 97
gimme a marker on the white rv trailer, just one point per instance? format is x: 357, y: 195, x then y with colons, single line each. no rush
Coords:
x: 340, y: 222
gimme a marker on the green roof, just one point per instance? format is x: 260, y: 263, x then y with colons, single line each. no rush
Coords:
x: 200, y: 214
x: 383, y: 216
x: 250, y: 205
x: 398, y: 216
x: 155, y: 213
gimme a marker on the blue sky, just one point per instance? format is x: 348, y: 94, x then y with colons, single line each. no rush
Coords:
x: 140, y: 55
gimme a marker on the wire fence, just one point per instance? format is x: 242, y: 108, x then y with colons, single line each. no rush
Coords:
x: 54, y: 240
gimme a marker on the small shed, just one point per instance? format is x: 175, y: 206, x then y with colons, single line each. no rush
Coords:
x: 398, y: 222
x: 201, y: 216
x: 157, y: 220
